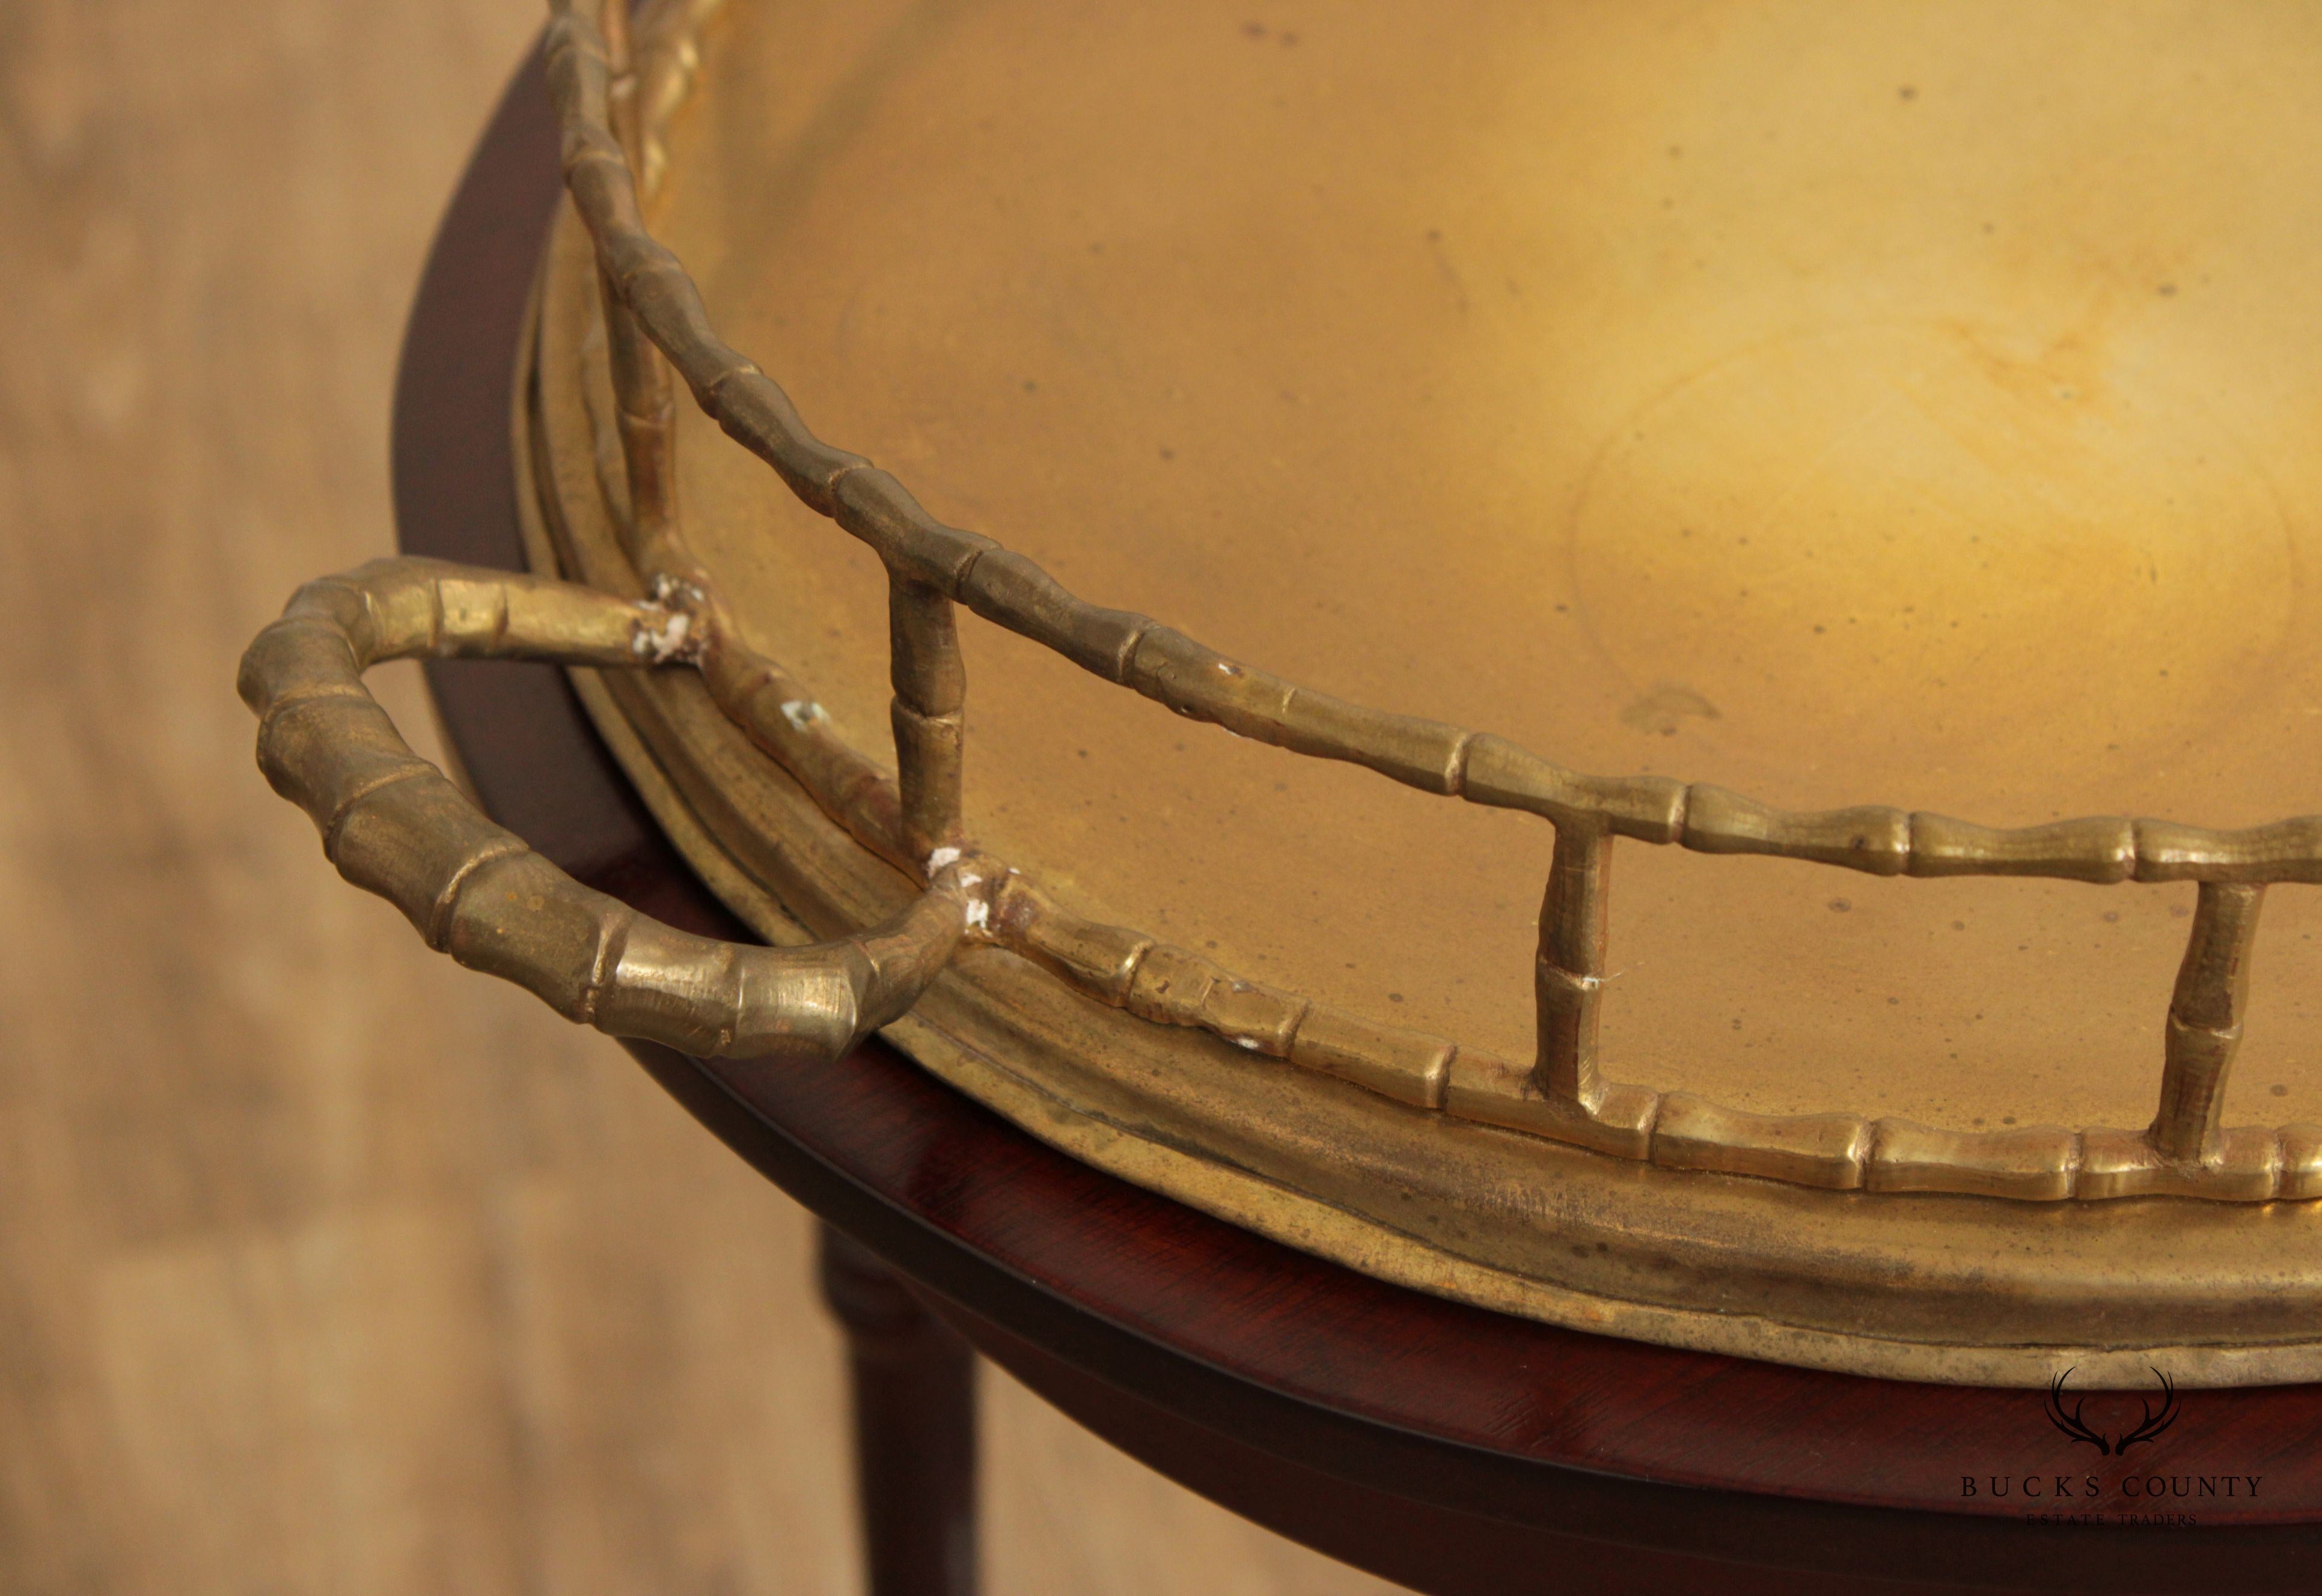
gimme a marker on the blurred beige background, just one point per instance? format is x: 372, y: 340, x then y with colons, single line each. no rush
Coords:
x: 325, y: 1266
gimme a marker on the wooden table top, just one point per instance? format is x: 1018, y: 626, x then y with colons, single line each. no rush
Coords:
x: 1437, y: 1445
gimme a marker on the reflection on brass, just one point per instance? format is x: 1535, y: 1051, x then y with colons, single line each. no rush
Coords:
x: 1856, y: 1240
x: 941, y: 564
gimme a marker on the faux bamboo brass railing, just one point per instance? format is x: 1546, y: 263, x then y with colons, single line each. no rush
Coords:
x: 656, y: 321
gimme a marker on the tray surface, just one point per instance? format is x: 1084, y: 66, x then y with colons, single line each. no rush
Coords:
x: 1235, y: 363
x: 1846, y: 406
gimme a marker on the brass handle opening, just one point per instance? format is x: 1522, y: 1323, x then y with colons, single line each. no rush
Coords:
x: 393, y: 824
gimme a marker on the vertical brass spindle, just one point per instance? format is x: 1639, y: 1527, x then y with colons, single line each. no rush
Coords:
x: 2204, y: 1020
x: 645, y: 408
x: 621, y: 97
x: 1570, y: 977
x: 931, y: 698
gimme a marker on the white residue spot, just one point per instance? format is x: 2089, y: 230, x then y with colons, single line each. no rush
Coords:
x: 942, y: 859
x: 802, y: 713
x: 979, y: 914
x: 1245, y: 1043
x: 666, y: 642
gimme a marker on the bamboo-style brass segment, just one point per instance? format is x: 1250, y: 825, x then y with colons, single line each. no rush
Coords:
x: 644, y: 407
x: 667, y: 53
x: 621, y: 109
x: 2204, y: 1020
x: 393, y: 825
x: 1568, y: 975
x: 930, y: 699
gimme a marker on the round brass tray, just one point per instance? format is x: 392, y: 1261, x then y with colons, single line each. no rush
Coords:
x: 1814, y: 403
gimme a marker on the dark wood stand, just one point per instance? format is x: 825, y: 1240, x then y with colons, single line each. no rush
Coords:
x: 1450, y: 1449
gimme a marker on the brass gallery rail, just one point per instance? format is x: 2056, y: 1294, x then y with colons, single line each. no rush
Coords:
x: 653, y: 310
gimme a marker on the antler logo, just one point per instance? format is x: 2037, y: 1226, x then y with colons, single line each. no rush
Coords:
x: 2154, y: 1421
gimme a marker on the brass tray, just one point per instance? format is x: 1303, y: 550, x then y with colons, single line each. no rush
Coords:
x: 1813, y: 402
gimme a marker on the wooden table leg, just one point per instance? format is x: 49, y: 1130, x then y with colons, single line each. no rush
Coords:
x: 914, y: 1396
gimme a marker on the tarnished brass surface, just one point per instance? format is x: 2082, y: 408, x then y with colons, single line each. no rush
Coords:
x: 1843, y: 458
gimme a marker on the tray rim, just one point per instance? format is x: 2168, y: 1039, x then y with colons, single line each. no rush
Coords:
x: 686, y: 755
